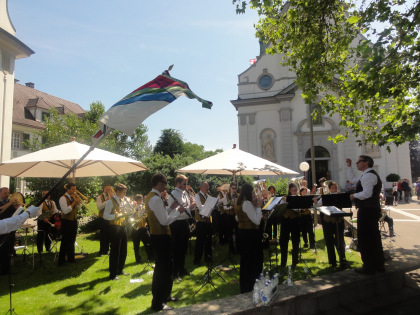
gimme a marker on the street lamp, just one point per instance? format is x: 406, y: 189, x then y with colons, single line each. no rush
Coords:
x: 304, y: 167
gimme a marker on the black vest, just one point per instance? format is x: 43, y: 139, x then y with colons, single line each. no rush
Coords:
x: 374, y: 200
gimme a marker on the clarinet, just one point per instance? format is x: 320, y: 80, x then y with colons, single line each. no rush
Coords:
x: 185, y: 206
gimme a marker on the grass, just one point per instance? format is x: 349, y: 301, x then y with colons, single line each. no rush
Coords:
x: 84, y: 288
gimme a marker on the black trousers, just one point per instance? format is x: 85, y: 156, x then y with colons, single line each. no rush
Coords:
x: 68, y: 238
x: 103, y: 237
x: 143, y: 235
x: 162, y: 275
x: 180, y: 231
x: 118, y: 253
x: 230, y: 228
x: 369, y: 239
x: 6, y: 250
x: 307, y: 229
x: 334, y: 239
x: 44, y: 229
x: 289, y: 228
x: 251, y: 252
x: 203, y: 242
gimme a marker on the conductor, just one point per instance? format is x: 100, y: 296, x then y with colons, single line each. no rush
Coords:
x: 366, y: 199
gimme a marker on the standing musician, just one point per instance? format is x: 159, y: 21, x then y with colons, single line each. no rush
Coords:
x: 289, y: 227
x: 219, y: 217
x: 104, y: 224
x: 203, y: 227
x: 180, y: 229
x: 69, y: 205
x: 46, y: 226
x: 333, y: 234
x: 160, y: 217
x: 307, y: 224
x: 230, y: 225
x: 366, y: 199
x: 141, y: 230
x: 272, y: 224
x: 248, y: 211
x: 117, y: 233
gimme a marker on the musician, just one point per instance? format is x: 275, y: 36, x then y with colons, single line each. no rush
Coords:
x: 248, y: 211
x: 7, y: 208
x: 306, y: 223
x: 272, y: 224
x: 160, y: 217
x: 230, y: 225
x: 117, y: 233
x: 101, y: 200
x: 367, y: 201
x: 322, y: 190
x: 141, y: 231
x: 289, y: 227
x: 333, y: 229
x: 46, y: 226
x: 69, y: 205
x: 304, y: 184
x: 180, y: 229
x: 203, y: 227
x: 164, y: 196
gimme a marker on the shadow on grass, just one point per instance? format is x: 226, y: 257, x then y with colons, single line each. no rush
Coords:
x: 87, y: 306
x: 77, y: 288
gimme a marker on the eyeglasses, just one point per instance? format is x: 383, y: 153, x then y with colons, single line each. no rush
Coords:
x: 164, y: 182
x: 360, y: 161
x: 233, y: 188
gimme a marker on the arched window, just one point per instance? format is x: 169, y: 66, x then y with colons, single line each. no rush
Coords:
x: 320, y: 152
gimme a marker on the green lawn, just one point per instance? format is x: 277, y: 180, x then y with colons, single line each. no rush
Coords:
x: 84, y: 287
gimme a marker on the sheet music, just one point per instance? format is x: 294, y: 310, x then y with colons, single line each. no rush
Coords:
x: 272, y: 203
x: 208, y: 206
x: 333, y: 211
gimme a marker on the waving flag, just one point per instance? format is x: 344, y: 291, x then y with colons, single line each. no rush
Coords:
x: 127, y: 114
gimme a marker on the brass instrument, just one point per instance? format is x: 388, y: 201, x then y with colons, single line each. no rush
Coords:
x: 81, y: 196
x: 265, y: 214
x: 112, y: 192
x: 138, y: 220
x: 126, y: 210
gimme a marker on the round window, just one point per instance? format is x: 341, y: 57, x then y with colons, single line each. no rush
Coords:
x: 265, y: 81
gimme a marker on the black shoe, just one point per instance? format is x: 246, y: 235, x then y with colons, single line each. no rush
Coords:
x: 380, y: 270
x: 162, y: 307
x: 114, y: 278
x: 122, y: 273
x: 305, y: 245
x: 364, y: 271
x: 184, y: 272
x: 172, y: 299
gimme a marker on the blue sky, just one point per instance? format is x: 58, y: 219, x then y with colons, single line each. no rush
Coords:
x: 94, y: 50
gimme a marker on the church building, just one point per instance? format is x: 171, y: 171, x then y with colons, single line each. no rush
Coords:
x: 273, y: 124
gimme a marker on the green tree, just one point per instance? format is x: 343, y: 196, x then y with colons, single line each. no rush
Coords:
x: 372, y: 82
x: 169, y: 143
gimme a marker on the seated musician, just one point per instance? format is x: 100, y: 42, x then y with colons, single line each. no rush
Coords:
x: 248, y: 211
x: 117, y: 233
x: 141, y: 230
x: 203, y: 227
x: 306, y: 223
x: 333, y: 229
x: 289, y: 227
x: 46, y: 226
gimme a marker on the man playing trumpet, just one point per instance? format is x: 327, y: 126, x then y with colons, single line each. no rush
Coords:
x: 117, y: 233
x: 101, y: 200
x: 69, y: 205
x: 45, y: 227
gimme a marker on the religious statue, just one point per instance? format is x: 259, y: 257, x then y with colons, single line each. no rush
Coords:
x: 268, y: 148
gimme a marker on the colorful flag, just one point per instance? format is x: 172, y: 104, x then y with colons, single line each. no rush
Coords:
x: 127, y: 114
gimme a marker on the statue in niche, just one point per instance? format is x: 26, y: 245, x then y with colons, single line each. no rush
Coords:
x: 268, y: 148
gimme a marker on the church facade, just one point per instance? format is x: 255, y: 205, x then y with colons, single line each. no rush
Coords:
x: 273, y: 123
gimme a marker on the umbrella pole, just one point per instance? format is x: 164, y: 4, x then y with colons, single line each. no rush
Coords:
x: 93, y: 146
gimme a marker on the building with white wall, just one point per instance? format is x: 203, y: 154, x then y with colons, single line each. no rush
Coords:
x: 273, y: 123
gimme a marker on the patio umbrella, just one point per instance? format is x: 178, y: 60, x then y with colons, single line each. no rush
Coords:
x: 236, y: 162
x: 56, y: 161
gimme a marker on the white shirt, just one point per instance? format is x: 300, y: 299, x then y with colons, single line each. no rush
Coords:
x: 254, y: 214
x: 198, y: 200
x: 63, y: 204
x: 99, y: 204
x: 183, y: 198
x: 368, y: 181
x: 13, y: 223
x: 164, y: 215
x: 108, y: 208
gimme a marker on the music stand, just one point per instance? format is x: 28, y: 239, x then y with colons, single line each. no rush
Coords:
x: 208, y: 278
x: 276, y: 214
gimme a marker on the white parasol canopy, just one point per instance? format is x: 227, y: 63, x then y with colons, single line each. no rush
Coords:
x: 56, y: 161
x: 236, y: 162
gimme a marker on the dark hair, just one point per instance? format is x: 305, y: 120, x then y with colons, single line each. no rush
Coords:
x: 105, y: 185
x: 138, y: 197
x: 331, y: 183
x: 233, y: 184
x: 246, y: 193
x: 271, y: 186
x: 120, y: 187
x: 291, y: 185
x: 303, y: 189
x: 69, y: 186
x: 368, y: 159
x: 157, y: 178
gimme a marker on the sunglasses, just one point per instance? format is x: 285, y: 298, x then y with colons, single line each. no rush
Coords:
x: 360, y: 161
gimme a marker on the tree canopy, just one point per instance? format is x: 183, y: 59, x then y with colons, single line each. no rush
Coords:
x: 361, y: 62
